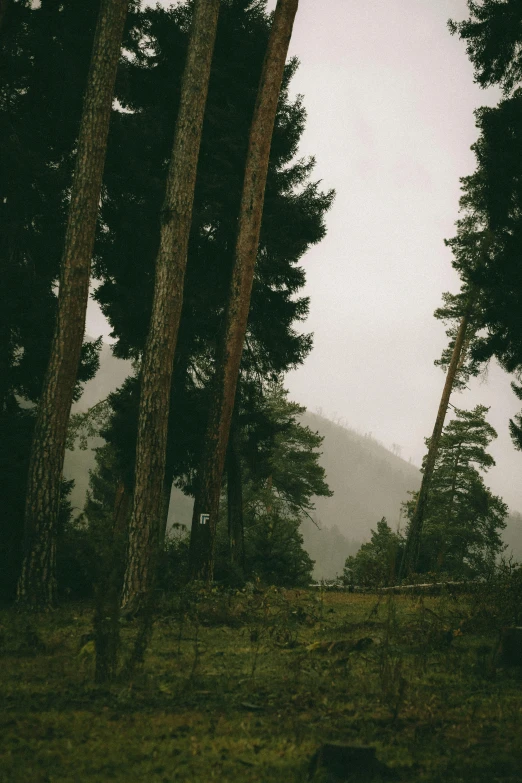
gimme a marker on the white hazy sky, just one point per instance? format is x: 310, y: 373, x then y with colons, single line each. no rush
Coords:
x: 390, y: 99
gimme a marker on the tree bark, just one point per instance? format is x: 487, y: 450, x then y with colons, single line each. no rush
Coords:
x: 411, y: 550
x: 156, y: 372
x: 36, y: 586
x: 235, y: 501
x: 108, y: 590
x: 164, y: 516
x: 228, y: 358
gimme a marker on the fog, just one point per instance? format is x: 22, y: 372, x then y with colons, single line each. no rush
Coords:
x: 390, y: 99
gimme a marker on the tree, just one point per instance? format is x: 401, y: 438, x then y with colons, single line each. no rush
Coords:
x: 486, y: 248
x: 463, y: 518
x: 156, y: 368
x: 376, y: 562
x: 515, y: 425
x: 293, y: 219
x: 411, y: 550
x: 492, y: 195
x: 493, y: 36
x: 293, y: 216
x: 230, y: 348
x: 280, y: 476
x: 37, y: 579
x: 44, y: 63
x: 235, y: 516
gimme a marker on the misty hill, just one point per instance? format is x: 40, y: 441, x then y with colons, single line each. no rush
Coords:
x: 368, y: 482
x: 367, y: 479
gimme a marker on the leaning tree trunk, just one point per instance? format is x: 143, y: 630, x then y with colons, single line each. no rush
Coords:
x: 206, y: 506
x: 156, y: 371
x: 411, y: 550
x: 36, y: 586
x: 108, y: 589
x: 235, y: 500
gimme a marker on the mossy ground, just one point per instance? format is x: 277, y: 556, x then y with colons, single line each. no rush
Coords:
x: 246, y: 687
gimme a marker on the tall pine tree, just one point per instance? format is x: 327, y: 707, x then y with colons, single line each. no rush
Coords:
x: 36, y: 586
x: 156, y: 368
x: 463, y: 518
x: 230, y: 346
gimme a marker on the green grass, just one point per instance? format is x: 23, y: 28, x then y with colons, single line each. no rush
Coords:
x: 245, y: 688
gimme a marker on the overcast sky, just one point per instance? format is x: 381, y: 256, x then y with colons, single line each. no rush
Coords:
x: 390, y: 99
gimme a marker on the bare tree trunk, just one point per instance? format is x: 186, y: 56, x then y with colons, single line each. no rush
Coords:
x: 411, y: 550
x: 164, y: 516
x: 36, y: 586
x: 108, y: 590
x: 206, y: 505
x: 156, y: 372
x: 235, y: 500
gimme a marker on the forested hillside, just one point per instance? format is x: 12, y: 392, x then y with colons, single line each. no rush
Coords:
x: 367, y: 479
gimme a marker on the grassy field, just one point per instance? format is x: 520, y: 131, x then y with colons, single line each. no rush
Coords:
x: 246, y: 687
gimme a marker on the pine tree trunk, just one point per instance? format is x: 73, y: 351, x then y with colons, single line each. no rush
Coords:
x: 235, y: 501
x: 411, y: 550
x: 156, y: 371
x: 37, y: 586
x: 206, y: 505
x: 164, y: 516
x: 108, y: 590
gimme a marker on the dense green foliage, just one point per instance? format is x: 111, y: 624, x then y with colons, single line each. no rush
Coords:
x: 376, y: 563
x: 139, y: 147
x: 488, y: 243
x: 281, y: 476
x: 463, y: 522
x: 281, y: 479
x: 44, y: 59
x: 293, y: 219
x: 493, y: 35
x: 45, y: 56
x: 461, y: 535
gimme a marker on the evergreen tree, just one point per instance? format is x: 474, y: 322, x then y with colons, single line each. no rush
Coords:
x: 293, y: 219
x: 451, y: 313
x: 44, y: 62
x: 376, y: 563
x: 493, y: 36
x: 488, y: 243
x: 463, y: 518
x: 37, y: 580
x: 156, y: 369
x: 280, y: 476
x: 230, y: 344
x: 411, y: 549
x: 293, y: 216
x: 487, y: 246
x: 515, y: 425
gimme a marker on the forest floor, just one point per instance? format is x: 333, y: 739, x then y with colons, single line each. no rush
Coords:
x: 246, y: 687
